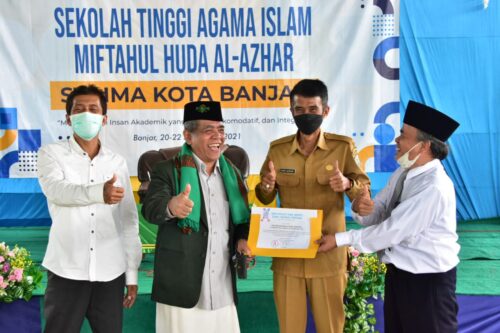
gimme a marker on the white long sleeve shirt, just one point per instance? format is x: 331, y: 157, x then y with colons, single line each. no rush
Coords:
x: 216, y: 285
x: 419, y: 235
x: 89, y: 240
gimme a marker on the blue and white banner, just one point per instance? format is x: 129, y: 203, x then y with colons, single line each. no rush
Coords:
x: 152, y: 57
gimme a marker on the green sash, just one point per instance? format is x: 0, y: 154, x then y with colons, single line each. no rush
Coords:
x: 186, y: 173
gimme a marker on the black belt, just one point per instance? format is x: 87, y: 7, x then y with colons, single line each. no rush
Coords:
x: 390, y: 267
x: 394, y: 269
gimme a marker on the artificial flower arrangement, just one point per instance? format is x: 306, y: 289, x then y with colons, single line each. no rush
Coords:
x: 19, y: 276
x: 365, y: 280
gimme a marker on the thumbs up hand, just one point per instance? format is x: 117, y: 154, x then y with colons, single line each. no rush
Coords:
x: 112, y: 194
x: 363, y: 204
x: 181, y: 206
x: 186, y: 191
x: 268, y: 181
x: 338, y: 182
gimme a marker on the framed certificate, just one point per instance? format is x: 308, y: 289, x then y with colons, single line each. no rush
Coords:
x: 285, y: 232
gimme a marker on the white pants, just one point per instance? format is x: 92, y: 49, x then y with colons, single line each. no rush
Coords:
x: 172, y: 319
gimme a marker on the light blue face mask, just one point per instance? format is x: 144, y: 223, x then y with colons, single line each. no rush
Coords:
x: 86, y: 125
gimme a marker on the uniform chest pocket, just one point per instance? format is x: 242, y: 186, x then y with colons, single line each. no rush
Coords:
x: 287, y: 180
x: 323, y: 178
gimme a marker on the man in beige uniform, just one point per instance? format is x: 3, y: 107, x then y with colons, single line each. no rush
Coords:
x: 312, y: 170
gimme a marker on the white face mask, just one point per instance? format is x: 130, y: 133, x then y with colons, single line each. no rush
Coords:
x: 404, y: 161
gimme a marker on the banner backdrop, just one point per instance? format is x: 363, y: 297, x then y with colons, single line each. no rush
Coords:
x: 153, y: 57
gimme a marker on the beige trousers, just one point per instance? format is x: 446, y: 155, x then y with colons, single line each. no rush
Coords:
x: 326, y: 297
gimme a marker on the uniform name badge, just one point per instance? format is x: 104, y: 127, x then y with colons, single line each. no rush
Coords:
x: 285, y: 232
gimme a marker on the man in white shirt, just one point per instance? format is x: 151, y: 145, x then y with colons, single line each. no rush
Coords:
x: 412, y: 223
x: 94, y: 249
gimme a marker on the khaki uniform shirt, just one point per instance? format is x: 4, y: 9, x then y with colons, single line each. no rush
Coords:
x: 304, y: 182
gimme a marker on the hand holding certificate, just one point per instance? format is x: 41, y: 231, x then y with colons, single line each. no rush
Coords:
x: 285, y: 232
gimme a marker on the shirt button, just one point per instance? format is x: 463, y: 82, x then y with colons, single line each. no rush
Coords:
x: 91, y: 249
x: 92, y: 231
x: 389, y: 249
x: 213, y: 271
x: 91, y: 180
x: 213, y: 252
x: 91, y: 214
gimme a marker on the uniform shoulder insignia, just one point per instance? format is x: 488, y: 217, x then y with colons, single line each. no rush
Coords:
x: 331, y: 136
x: 284, y: 139
x: 348, y: 140
x: 355, y: 155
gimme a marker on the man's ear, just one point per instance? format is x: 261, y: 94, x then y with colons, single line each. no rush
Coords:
x: 68, y: 120
x: 187, y: 137
x: 105, y: 120
x: 326, y: 111
x: 426, y: 147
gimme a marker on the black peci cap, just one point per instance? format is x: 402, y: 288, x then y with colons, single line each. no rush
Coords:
x: 429, y: 120
x: 202, y: 111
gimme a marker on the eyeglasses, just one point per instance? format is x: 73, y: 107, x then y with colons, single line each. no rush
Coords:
x: 210, y: 131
